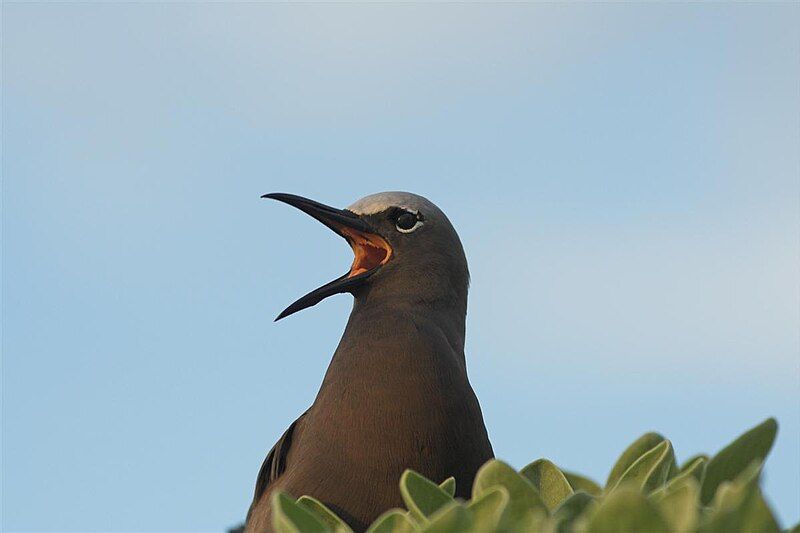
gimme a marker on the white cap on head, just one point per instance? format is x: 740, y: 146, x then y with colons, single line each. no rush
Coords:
x: 375, y: 203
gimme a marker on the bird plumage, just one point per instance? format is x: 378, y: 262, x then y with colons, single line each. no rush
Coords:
x: 396, y: 394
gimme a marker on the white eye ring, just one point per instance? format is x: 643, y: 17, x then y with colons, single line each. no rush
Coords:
x: 409, y: 230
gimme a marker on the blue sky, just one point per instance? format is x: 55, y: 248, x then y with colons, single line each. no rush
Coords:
x: 624, y: 178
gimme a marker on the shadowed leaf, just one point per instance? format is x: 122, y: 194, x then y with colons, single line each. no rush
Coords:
x: 452, y: 518
x: 739, y: 506
x: 731, y: 461
x: 650, y: 470
x: 525, y: 508
x: 639, y: 447
x: 422, y: 496
x: 319, y: 510
x: 289, y: 517
x: 626, y: 510
x: 569, y: 510
x: 487, y: 509
x: 679, y: 505
x: 393, y: 521
x: 579, y: 482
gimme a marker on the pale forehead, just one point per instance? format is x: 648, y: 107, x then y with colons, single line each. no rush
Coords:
x: 375, y: 203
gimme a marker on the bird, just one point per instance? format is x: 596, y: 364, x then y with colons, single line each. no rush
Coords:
x: 396, y: 393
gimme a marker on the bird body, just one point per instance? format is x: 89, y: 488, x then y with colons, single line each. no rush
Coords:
x: 396, y: 394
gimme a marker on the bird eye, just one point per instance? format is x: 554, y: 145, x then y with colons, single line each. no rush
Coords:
x: 407, y: 222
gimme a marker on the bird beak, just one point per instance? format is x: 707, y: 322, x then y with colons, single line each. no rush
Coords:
x: 370, y: 249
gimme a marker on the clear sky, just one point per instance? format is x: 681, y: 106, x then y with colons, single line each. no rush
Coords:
x: 624, y: 178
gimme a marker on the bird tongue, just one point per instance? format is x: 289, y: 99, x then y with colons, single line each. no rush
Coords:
x: 370, y: 250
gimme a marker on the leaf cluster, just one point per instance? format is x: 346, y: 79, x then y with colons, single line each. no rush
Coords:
x: 646, y: 491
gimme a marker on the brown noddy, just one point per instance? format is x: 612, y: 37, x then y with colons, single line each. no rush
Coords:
x: 396, y: 393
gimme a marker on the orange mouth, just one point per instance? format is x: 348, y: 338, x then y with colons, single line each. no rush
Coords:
x: 370, y: 250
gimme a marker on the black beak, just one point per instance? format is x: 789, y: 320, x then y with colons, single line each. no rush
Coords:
x: 343, y: 222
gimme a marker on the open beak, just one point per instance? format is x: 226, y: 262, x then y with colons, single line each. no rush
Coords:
x: 371, y: 251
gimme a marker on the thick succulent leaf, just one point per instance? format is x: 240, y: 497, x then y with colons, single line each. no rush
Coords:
x: 732, y: 460
x: 739, y: 506
x: 393, y: 521
x: 694, y: 469
x: 449, y: 486
x: 679, y: 506
x: 290, y: 517
x: 487, y: 509
x: 757, y: 515
x: 673, y: 469
x: 569, y: 510
x: 319, y: 510
x: 688, y: 463
x: 579, y: 482
x: 649, y: 471
x: 525, y: 508
x: 626, y: 510
x: 452, y: 518
x: 422, y: 496
x: 639, y: 447
x: 553, y: 487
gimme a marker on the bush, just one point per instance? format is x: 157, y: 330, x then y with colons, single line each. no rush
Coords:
x: 646, y: 491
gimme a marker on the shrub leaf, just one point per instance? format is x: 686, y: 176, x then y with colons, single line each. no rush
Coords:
x: 739, y: 506
x: 731, y: 461
x: 290, y: 517
x: 579, y: 482
x: 639, y: 447
x: 569, y: 510
x: 679, y: 506
x: 318, y: 509
x: 487, y: 509
x: 449, y: 486
x: 553, y: 487
x: 626, y: 510
x: 650, y: 470
x: 393, y: 521
x: 451, y: 518
x: 525, y: 507
x: 422, y: 496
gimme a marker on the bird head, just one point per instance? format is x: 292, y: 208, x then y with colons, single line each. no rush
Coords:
x: 404, y: 247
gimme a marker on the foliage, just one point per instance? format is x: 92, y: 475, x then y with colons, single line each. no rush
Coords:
x: 646, y: 491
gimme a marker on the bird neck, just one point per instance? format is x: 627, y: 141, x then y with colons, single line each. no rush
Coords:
x: 444, y: 313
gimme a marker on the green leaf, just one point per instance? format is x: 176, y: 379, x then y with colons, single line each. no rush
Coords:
x: 673, y: 469
x: 694, y: 469
x: 578, y: 482
x: 688, y: 463
x: 319, y: 510
x: 679, y: 505
x: 422, y: 496
x: 569, y: 510
x: 289, y: 517
x: 757, y: 515
x: 553, y: 487
x: 487, y: 509
x: 452, y: 518
x: 525, y: 508
x: 650, y: 470
x: 795, y: 529
x: 739, y: 506
x: 626, y: 510
x: 393, y: 521
x: 639, y: 447
x: 449, y: 486
x: 732, y: 460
